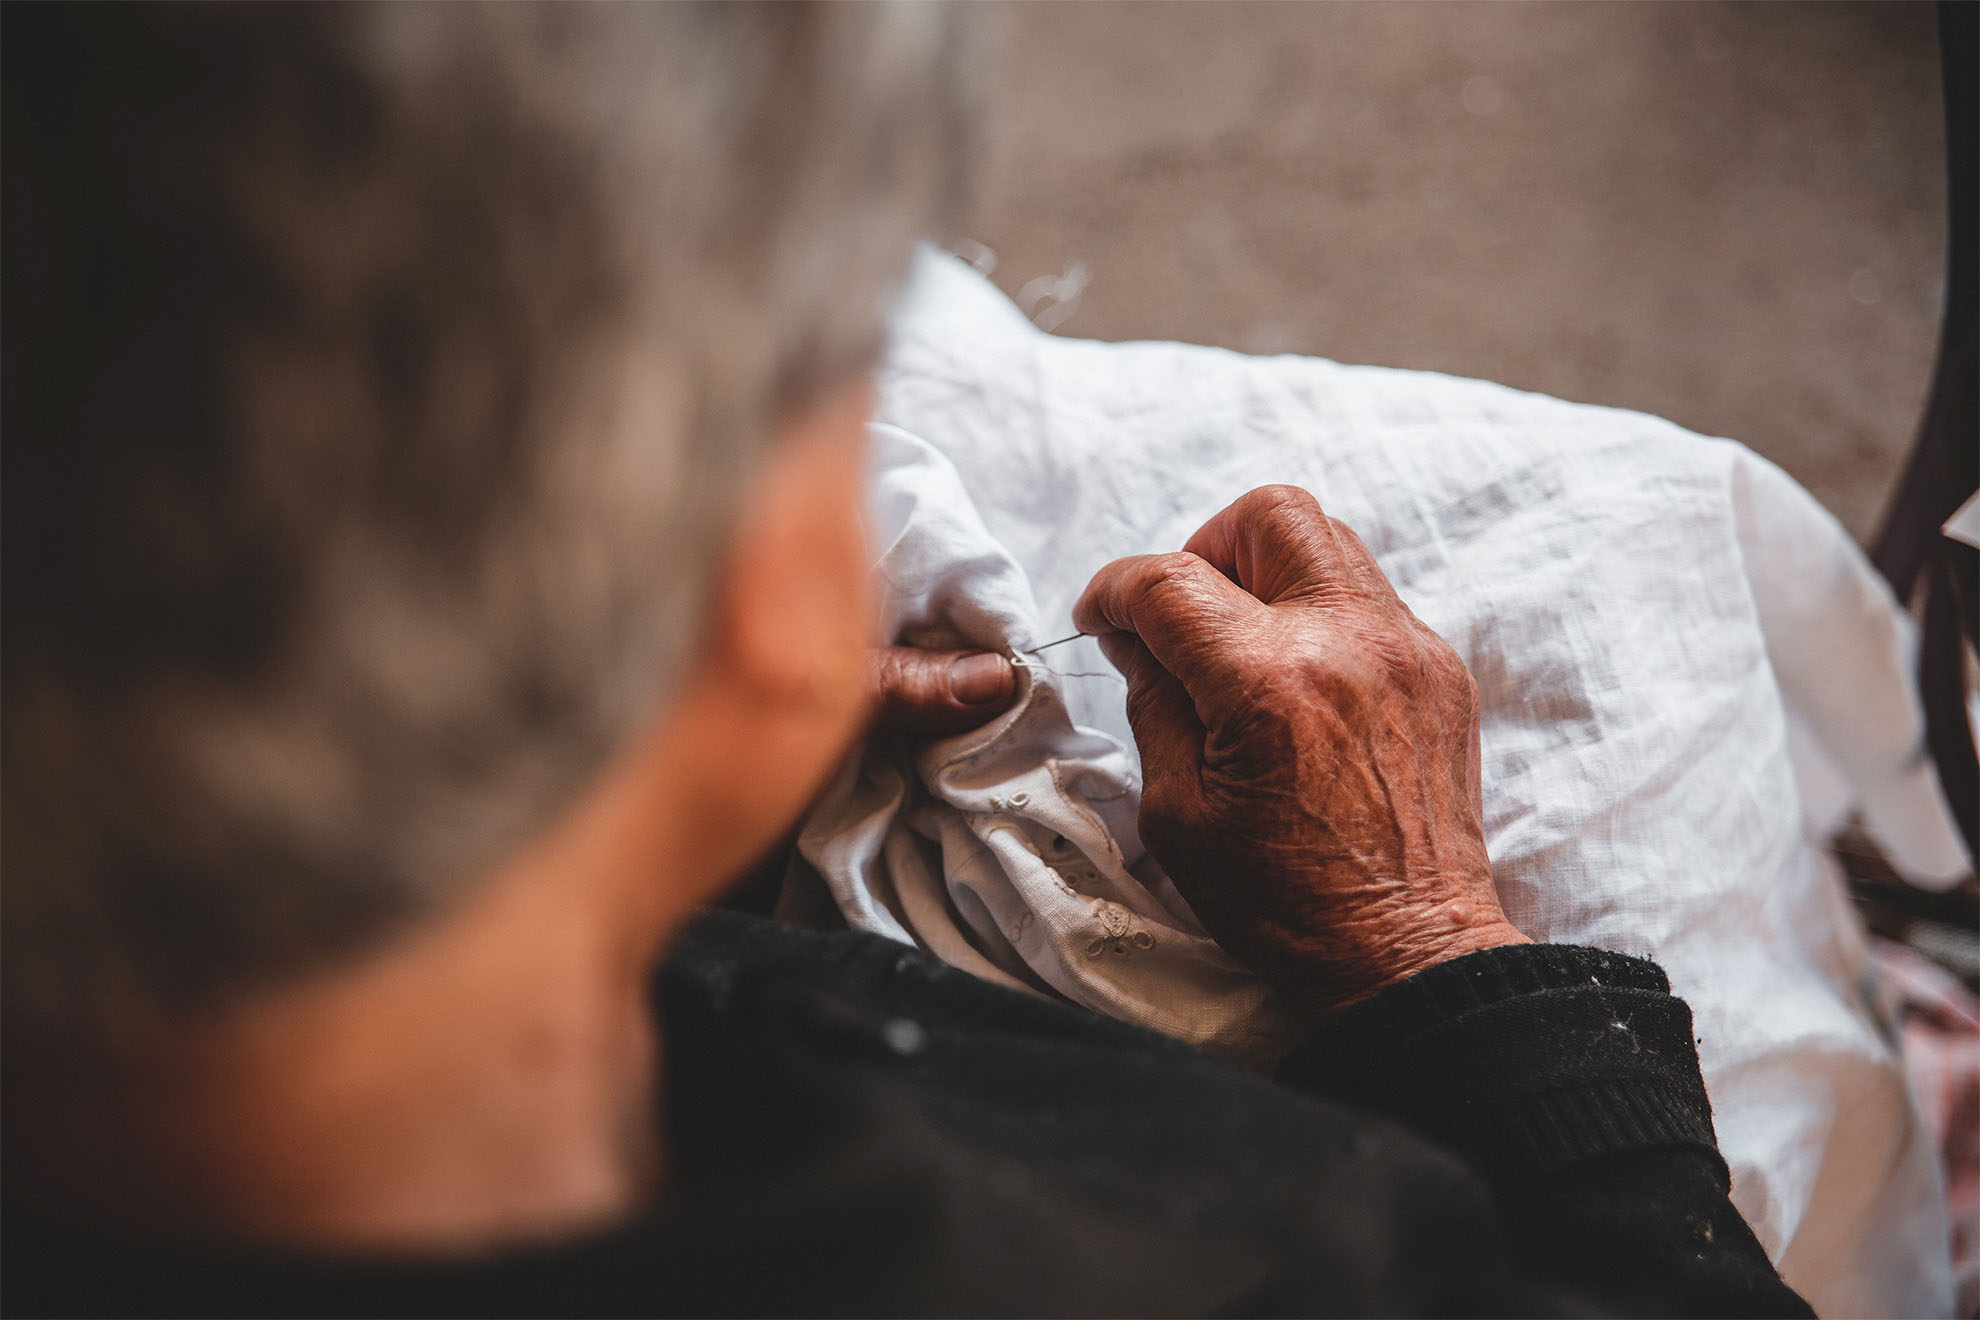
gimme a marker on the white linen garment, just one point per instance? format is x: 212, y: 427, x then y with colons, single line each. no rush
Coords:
x: 1687, y: 676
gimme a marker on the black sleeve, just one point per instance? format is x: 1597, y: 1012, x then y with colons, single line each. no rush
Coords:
x: 1569, y: 1078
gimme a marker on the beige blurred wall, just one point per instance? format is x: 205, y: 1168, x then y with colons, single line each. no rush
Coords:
x: 1728, y: 214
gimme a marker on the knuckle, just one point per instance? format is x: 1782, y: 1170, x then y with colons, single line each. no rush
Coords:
x: 1174, y: 565
x: 1445, y: 671
x: 1439, y: 661
x: 1413, y: 662
x: 1292, y: 512
x: 886, y: 672
x: 1439, y: 654
x: 1281, y: 499
x: 912, y: 679
x: 1456, y: 678
x: 1174, y: 577
x: 1414, y: 666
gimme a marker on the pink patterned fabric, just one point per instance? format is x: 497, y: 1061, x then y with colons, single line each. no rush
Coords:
x: 1939, y: 1020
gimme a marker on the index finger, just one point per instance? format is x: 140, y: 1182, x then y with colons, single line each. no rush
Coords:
x: 1185, y: 612
x: 1276, y: 542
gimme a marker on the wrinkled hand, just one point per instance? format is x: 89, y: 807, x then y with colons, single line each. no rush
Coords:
x: 937, y: 693
x: 1309, y: 751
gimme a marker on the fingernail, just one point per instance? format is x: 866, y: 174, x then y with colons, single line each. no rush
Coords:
x: 978, y: 680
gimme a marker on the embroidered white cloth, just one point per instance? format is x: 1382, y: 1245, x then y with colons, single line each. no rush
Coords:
x: 1688, y: 675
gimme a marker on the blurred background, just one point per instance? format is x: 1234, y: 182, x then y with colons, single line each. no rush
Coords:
x: 1731, y: 215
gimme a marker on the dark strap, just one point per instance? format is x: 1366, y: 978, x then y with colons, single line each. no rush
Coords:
x: 1944, y: 468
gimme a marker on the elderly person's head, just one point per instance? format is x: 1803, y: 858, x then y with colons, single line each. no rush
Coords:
x: 434, y: 442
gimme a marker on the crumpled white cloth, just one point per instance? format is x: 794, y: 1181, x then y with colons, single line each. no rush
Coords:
x: 1011, y: 850
x: 1687, y: 672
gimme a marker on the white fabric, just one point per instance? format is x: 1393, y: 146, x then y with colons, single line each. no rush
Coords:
x: 1964, y: 525
x: 1687, y: 675
x: 1011, y: 851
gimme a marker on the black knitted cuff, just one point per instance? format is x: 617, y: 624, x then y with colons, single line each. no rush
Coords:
x: 1521, y: 1058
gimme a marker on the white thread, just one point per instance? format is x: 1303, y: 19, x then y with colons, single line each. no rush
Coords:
x: 1018, y: 659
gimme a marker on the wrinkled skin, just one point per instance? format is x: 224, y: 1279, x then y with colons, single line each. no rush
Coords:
x: 1309, y: 750
x: 938, y: 693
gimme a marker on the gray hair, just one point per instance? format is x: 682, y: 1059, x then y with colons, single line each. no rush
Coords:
x: 380, y: 386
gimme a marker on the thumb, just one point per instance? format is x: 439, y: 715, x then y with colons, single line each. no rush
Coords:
x: 939, y: 692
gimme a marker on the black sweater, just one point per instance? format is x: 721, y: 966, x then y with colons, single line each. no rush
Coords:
x: 858, y: 1129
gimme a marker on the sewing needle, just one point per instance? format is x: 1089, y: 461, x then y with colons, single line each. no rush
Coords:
x: 1061, y: 642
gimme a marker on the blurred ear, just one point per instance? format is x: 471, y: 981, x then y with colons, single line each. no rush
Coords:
x: 794, y: 615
